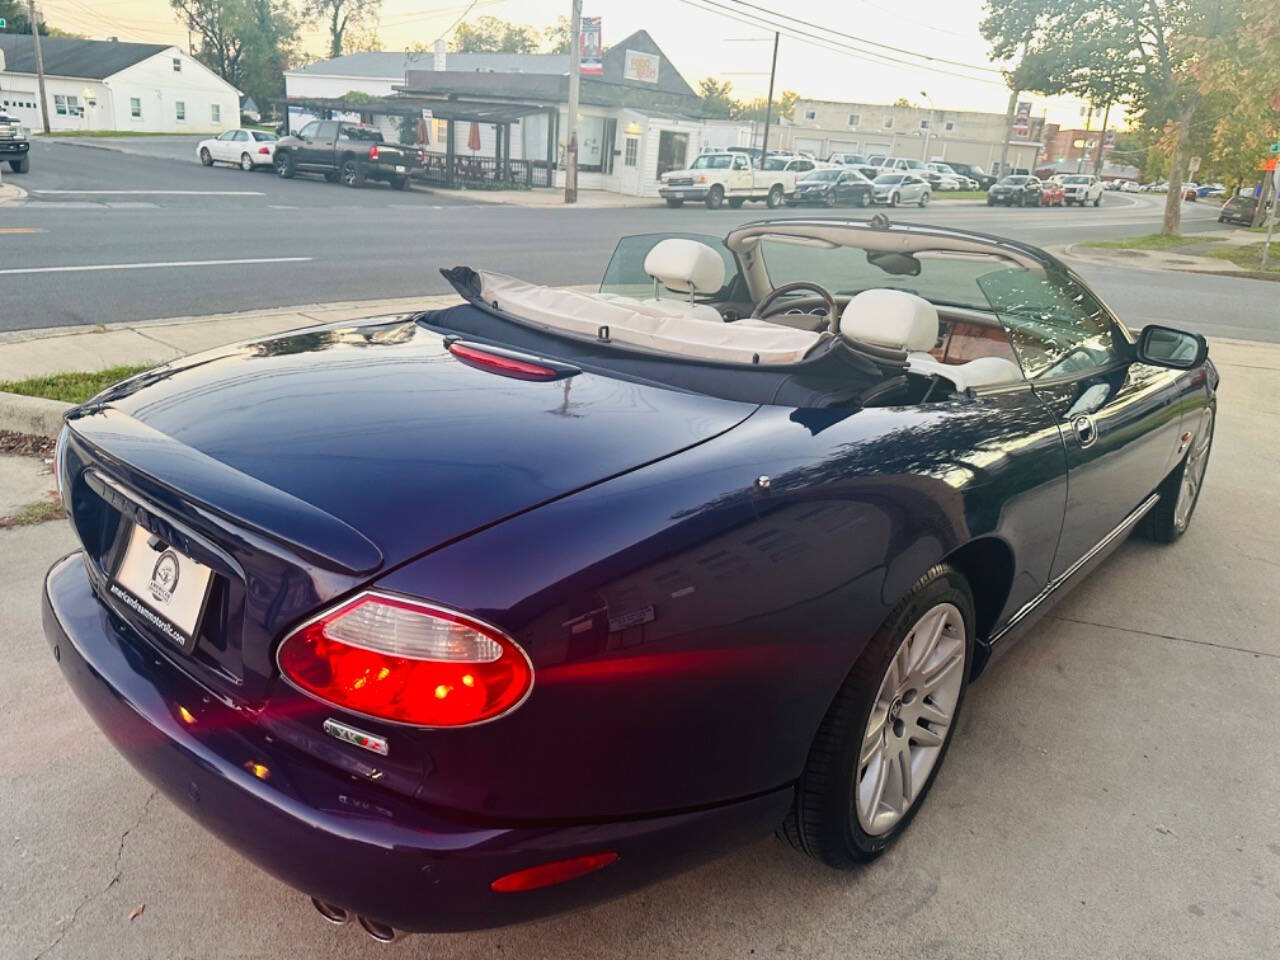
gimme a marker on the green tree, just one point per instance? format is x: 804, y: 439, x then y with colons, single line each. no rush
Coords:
x: 784, y: 105
x: 717, y: 97
x: 338, y: 16
x: 1140, y: 51
x: 492, y: 35
x: 220, y: 26
x: 559, y: 36
x: 249, y: 43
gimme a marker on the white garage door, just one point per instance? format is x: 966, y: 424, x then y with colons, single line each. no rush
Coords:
x: 807, y: 145
x: 874, y: 148
x: 844, y: 146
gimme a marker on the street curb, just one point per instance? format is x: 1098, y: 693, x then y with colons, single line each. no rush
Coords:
x: 1079, y: 252
x: 11, y: 193
x: 35, y: 415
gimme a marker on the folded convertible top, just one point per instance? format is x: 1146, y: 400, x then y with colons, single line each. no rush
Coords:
x: 827, y: 372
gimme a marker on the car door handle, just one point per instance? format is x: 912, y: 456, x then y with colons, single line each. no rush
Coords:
x: 1086, y: 429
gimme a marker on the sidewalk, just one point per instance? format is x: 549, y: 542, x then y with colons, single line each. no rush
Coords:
x: 11, y: 193
x: 552, y: 197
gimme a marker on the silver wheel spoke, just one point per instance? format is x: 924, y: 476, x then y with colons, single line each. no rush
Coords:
x: 909, y: 720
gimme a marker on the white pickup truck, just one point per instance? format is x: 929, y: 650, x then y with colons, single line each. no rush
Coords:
x: 716, y: 178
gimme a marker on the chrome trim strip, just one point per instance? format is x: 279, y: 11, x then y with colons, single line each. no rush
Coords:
x: 1125, y: 525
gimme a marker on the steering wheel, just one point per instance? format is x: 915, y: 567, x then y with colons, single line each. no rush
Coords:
x: 833, y: 312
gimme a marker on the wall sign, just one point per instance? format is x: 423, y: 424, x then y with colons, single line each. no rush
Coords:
x: 640, y: 66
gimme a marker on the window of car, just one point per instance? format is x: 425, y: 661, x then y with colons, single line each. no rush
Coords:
x: 1013, y: 181
x: 1078, y: 180
x: 821, y: 176
x: 713, y: 161
x: 626, y: 277
x: 1057, y: 328
x: 310, y: 130
x: 229, y: 135
x: 740, y: 163
x: 264, y: 137
x: 890, y: 178
x: 351, y: 131
x: 913, y: 164
x: 241, y: 135
x: 327, y: 130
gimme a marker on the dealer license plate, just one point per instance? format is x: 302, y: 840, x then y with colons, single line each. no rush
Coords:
x: 166, y: 588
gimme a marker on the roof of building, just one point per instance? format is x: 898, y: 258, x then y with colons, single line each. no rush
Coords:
x: 668, y: 91
x: 73, y: 56
x: 392, y: 65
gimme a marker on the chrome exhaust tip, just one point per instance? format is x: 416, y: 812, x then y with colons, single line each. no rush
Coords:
x: 330, y: 912
x: 379, y: 931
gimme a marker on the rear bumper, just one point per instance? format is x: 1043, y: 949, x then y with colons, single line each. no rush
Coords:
x: 346, y: 841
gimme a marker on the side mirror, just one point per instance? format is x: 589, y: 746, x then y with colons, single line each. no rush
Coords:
x: 1167, y: 347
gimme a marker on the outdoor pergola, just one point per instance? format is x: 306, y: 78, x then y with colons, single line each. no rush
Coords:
x: 456, y: 168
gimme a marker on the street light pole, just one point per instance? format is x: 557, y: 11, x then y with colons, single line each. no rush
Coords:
x: 928, y: 130
x: 35, y: 31
x: 571, y: 128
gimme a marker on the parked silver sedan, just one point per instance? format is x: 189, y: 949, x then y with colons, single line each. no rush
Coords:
x: 893, y: 189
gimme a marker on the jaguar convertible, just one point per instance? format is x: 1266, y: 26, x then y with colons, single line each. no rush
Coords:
x: 463, y: 618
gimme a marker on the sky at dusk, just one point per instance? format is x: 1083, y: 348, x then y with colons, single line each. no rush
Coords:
x: 699, y: 40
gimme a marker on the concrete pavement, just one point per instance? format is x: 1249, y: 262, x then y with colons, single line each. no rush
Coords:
x: 1109, y: 793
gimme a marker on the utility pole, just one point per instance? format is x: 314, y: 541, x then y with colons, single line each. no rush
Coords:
x: 35, y: 31
x: 1088, y: 121
x: 571, y: 128
x: 1275, y: 205
x: 768, y: 106
x: 1102, y: 139
x: 928, y: 131
x: 1008, y: 133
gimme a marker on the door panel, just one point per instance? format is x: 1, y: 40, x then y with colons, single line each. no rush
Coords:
x: 1121, y: 432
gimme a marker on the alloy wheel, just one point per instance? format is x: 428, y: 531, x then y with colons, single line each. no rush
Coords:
x: 1193, y: 473
x: 246, y: 163
x: 910, y: 718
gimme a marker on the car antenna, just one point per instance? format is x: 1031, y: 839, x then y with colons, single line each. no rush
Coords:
x: 879, y: 222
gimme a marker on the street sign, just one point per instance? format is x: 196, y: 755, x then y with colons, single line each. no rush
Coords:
x: 1194, y: 165
x: 1275, y: 148
x: 2, y: 23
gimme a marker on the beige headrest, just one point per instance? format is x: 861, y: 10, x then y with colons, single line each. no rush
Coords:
x: 891, y: 318
x: 685, y: 265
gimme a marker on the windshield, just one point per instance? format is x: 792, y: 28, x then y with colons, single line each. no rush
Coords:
x: 945, y: 279
x: 777, y: 163
x: 822, y: 175
x: 626, y: 277
x: 1013, y: 181
x: 889, y: 178
x: 713, y: 161
x: 1076, y: 179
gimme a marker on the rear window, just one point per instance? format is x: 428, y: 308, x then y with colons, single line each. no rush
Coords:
x: 889, y: 178
x: 822, y: 175
x: 1014, y: 181
x: 712, y: 161
x: 264, y: 137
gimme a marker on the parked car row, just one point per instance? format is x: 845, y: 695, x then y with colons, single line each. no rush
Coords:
x: 1019, y: 190
x: 336, y: 149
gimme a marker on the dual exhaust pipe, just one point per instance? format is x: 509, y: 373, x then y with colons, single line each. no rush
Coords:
x: 340, y: 915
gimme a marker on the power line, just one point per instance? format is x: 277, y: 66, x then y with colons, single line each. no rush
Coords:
x: 872, y: 43
x: 834, y: 46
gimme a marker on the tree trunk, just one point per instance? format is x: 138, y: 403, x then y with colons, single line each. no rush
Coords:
x: 1177, y: 164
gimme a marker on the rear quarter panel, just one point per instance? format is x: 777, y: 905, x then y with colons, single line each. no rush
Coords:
x: 689, y: 629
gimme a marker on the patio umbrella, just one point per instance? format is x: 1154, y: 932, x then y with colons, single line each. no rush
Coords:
x: 473, y: 138
x: 424, y: 137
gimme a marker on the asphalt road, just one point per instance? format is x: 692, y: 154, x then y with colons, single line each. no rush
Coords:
x: 1110, y: 792
x: 308, y: 241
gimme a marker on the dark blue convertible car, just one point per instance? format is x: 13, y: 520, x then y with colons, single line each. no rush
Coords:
x: 459, y: 619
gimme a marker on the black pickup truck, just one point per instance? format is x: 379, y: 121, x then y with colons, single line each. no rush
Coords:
x: 350, y: 152
x: 14, y: 145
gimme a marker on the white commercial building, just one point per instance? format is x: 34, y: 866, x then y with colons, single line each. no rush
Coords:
x: 106, y: 85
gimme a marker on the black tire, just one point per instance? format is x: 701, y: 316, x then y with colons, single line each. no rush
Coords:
x: 206, y: 157
x: 775, y: 197
x: 893, y: 199
x: 246, y: 163
x: 990, y: 202
x: 331, y: 176
x: 21, y: 165
x: 1022, y: 200
x: 924, y: 200
x: 352, y: 175
x: 863, y: 200
x: 674, y: 202
x: 823, y: 822
x: 399, y: 183
x: 1161, y: 522
x: 284, y: 166
x: 715, y: 197
x: 829, y: 200
x: 1097, y: 201
x: 735, y: 203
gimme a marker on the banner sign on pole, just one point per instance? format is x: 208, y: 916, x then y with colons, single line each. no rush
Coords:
x: 590, y: 48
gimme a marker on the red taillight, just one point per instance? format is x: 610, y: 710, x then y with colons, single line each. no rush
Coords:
x: 547, y: 874
x: 373, y: 152
x: 500, y: 363
x: 422, y: 157
x: 409, y: 662
x: 264, y: 150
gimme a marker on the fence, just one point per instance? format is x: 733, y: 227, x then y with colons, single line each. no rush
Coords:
x: 487, y: 171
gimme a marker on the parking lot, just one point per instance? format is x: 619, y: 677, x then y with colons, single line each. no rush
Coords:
x: 1110, y: 792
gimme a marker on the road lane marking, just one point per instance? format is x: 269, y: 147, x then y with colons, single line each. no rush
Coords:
x: 8, y: 230
x: 151, y: 193
x: 150, y: 266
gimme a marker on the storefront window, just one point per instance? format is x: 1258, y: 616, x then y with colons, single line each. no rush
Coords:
x: 672, y: 149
